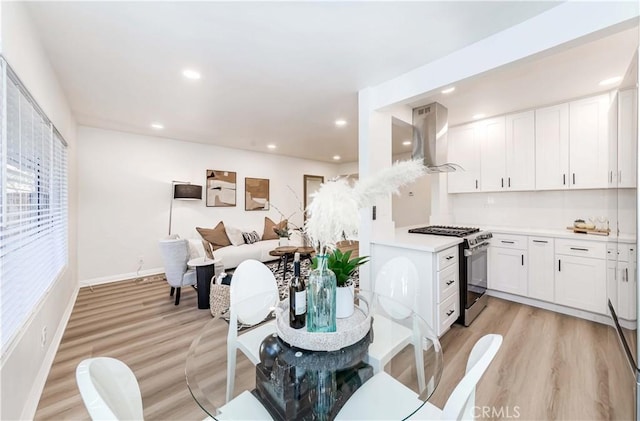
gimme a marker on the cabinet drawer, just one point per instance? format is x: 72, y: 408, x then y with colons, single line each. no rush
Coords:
x: 448, y: 312
x: 447, y: 257
x: 448, y: 282
x: 509, y: 241
x: 620, y: 251
x: 581, y: 248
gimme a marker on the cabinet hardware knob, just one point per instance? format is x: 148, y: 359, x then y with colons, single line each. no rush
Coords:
x: 522, y: 256
x: 564, y: 179
x: 502, y: 182
x: 450, y: 312
x: 559, y: 266
x: 578, y: 249
x: 509, y: 181
x: 450, y: 282
x: 507, y: 242
x: 574, y: 178
x: 540, y: 241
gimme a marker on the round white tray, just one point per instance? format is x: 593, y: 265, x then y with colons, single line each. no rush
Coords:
x: 348, y: 330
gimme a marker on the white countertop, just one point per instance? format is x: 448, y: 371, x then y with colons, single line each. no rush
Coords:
x: 424, y: 242
x: 436, y: 243
x: 558, y: 233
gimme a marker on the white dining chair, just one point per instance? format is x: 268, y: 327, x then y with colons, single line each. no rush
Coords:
x: 109, y: 389
x: 396, y: 286
x: 253, y: 295
x: 383, y: 398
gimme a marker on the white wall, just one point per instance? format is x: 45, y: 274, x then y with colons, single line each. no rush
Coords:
x: 545, y: 209
x: 26, y: 364
x: 125, y: 190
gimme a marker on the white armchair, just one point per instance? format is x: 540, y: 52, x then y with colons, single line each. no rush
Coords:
x: 175, y: 255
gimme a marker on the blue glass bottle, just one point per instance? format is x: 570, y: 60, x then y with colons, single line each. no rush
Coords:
x: 321, y: 298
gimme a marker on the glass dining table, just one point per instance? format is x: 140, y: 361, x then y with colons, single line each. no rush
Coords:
x: 293, y: 383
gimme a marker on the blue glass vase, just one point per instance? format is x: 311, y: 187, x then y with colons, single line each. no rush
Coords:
x: 321, y: 298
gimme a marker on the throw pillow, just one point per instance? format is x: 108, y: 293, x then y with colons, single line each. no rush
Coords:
x: 251, y: 237
x: 235, y: 236
x: 216, y: 236
x: 270, y: 226
x: 207, y: 249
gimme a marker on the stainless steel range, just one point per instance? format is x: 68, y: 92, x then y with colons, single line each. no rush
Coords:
x: 473, y: 266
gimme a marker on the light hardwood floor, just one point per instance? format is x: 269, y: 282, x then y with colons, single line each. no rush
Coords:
x: 550, y: 366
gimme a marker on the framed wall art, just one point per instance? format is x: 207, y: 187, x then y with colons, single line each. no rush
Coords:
x: 256, y: 194
x: 221, y: 188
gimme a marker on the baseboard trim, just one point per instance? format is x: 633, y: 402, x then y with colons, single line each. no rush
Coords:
x: 31, y: 405
x: 582, y: 314
x: 120, y: 277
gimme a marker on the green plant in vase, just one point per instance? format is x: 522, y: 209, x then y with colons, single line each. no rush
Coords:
x: 343, y: 266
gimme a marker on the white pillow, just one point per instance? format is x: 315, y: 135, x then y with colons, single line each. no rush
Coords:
x: 235, y: 235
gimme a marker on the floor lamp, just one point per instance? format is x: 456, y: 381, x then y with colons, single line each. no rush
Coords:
x: 183, y: 190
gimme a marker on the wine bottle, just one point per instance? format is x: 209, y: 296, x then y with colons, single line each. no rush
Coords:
x: 297, y: 297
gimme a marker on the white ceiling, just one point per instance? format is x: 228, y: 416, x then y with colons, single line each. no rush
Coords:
x: 272, y: 72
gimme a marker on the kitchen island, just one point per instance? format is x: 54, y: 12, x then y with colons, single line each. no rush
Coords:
x: 437, y: 259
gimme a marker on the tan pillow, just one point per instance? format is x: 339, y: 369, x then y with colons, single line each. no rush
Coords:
x: 216, y: 236
x: 269, y: 233
x: 207, y: 249
x: 270, y: 226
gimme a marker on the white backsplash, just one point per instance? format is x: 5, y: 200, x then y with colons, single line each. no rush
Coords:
x: 545, y: 209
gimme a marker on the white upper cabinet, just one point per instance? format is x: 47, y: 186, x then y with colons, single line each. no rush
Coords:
x: 572, y: 145
x: 493, y: 154
x: 552, y: 147
x: 508, y: 152
x: 520, y: 151
x: 589, y: 143
x: 464, y: 149
x: 627, y: 137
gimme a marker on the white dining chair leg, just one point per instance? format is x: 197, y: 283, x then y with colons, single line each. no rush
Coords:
x: 231, y: 370
x: 417, y: 349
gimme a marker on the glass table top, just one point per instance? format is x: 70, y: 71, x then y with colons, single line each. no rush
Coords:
x: 293, y: 383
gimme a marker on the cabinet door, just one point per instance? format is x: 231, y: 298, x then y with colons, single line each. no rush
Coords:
x: 612, y: 283
x: 464, y: 149
x: 508, y: 270
x: 627, y: 137
x: 589, y: 143
x: 627, y: 285
x: 493, y: 154
x: 552, y: 147
x: 520, y: 151
x: 541, y: 268
x: 581, y: 283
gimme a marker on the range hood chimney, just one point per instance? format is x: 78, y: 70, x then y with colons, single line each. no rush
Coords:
x: 430, y: 127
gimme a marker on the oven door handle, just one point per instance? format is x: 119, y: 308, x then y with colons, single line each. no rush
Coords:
x: 475, y: 250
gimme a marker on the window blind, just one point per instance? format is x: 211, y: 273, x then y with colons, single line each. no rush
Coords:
x: 33, y: 206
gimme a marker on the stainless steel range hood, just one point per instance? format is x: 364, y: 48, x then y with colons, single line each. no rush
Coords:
x: 430, y: 127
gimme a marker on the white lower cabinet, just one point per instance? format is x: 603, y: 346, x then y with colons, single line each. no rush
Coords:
x: 575, y: 273
x: 581, y: 275
x: 622, y: 280
x: 541, y: 277
x: 508, y: 264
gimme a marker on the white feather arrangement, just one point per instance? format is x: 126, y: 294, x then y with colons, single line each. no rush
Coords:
x: 334, y: 213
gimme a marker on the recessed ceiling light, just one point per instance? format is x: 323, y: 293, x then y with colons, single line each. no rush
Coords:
x: 610, y: 81
x: 478, y: 116
x: 336, y: 157
x: 406, y: 143
x: 191, y: 74
x: 157, y: 126
x: 448, y: 90
x: 341, y: 122
x: 271, y: 146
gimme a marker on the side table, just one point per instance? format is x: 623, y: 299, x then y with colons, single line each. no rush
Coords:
x: 205, y: 270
